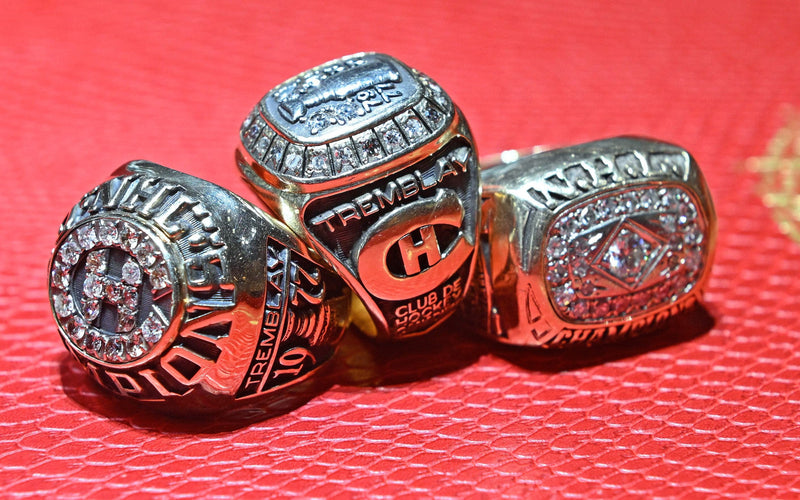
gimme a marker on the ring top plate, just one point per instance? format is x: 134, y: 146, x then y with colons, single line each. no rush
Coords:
x: 344, y: 116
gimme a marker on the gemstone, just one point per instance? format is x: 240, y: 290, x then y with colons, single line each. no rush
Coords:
x: 564, y: 295
x: 600, y: 308
x: 579, y: 309
x: 126, y: 321
x: 262, y: 145
x: 392, y: 138
x: 431, y: 114
x: 293, y: 162
x: 557, y: 247
x: 59, y: 275
x: 647, y: 199
x: 115, y: 349
x: 91, y: 309
x: 319, y: 163
x: 668, y: 222
x: 97, y: 343
x: 129, y: 236
x: 587, y: 288
x: 62, y: 303
x: 344, y: 158
x: 272, y: 160
x: 580, y: 267
x: 87, y: 236
x: 107, y: 232
x: 159, y: 277
x: 252, y: 132
x: 628, y: 255
x: 96, y: 261
x: 130, y: 299
x: 152, y: 330
x: 557, y: 274
x: 77, y: 328
x: 131, y: 272
x: 369, y: 149
x: 93, y: 286
x: 135, y: 350
x: 412, y: 126
x: 70, y: 252
x: 145, y: 253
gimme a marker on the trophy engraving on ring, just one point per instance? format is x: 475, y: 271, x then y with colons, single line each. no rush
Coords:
x: 372, y: 162
x: 155, y: 297
x: 593, y: 241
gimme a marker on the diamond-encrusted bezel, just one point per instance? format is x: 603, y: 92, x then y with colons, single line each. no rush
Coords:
x: 78, y: 305
x: 624, y: 253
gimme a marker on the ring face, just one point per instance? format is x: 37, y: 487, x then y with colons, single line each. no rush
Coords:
x: 111, y: 289
x: 375, y: 166
x: 598, y: 240
x: 624, y: 252
x: 157, y: 294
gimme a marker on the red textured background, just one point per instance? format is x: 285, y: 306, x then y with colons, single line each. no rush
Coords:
x: 711, y: 406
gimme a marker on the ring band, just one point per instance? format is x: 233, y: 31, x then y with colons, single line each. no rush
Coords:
x: 170, y: 289
x: 371, y: 162
x: 593, y: 241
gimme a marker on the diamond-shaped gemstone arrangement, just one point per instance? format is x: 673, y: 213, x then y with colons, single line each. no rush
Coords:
x: 618, y: 255
x: 394, y: 136
x: 79, y: 306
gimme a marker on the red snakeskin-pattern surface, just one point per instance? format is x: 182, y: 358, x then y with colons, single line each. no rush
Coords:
x: 710, y: 406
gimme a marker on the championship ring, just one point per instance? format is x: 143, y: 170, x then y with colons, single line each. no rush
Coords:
x: 372, y: 163
x: 594, y: 241
x: 169, y: 289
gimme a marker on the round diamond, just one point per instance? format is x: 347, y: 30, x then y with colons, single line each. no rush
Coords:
x: 587, y: 289
x: 600, y: 308
x: 62, y: 303
x: 77, y: 329
x: 145, y: 253
x: 344, y: 158
x: 129, y: 237
x: 414, y: 128
x: 116, y: 349
x: 59, y: 275
x: 91, y: 309
x: 152, y: 330
x: 93, y: 287
x: 70, y: 252
x: 108, y: 233
x: 135, y: 350
x: 131, y: 272
x: 318, y: 164
x: 432, y: 115
x: 393, y: 140
x: 96, y: 261
x: 647, y: 199
x: 96, y: 342
x: 126, y: 321
x: 293, y: 163
x: 87, y: 237
x: 580, y: 267
x: 159, y: 277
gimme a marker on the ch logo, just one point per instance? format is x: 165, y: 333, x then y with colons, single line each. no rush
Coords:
x: 412, y: 229
x: 122, y: 293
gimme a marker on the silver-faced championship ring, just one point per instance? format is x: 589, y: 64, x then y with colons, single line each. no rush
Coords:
x: 170, y: 289
x: 371, y: 162
x: 594, y: 241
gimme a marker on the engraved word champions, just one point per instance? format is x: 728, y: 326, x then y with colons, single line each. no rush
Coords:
x: 372, y: 163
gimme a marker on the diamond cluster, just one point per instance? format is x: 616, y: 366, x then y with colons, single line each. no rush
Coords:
x: 397, y: 135
x: 623, y: 253
x: 82, y: 286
